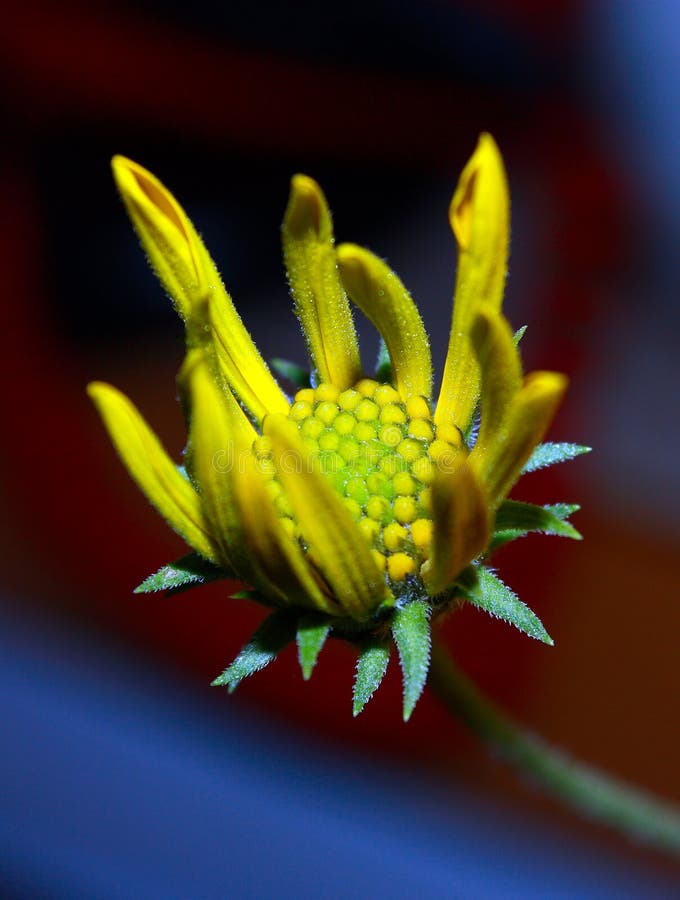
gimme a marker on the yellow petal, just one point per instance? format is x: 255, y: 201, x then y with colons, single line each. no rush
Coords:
x: 528, y: 418
x: 461, y: 525
x: 383, y: 299
x: 164, y: 230
x: 480, y: 219
x: 501, y: 373
x: 153, y: 470
x: 279, y: 566
x: 245, y: 371
x: 219, y: 438
x: 340, y: 550
x: 186, y: 270
x: 320, y: 300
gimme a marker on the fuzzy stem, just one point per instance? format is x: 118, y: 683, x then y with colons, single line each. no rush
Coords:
x: 604, y: 799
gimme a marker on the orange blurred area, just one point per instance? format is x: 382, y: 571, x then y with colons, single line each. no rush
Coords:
x: 224, y: 114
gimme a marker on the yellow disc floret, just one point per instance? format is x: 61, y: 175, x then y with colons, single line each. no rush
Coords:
x: 380, y: 455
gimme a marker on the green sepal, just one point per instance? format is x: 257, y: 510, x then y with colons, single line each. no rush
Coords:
x: 275, y: 633
x: 515, y: 519
x: 383, y: 365
x: 374, y: 656
x: 550, y: 453
x: 312, y: 632
x: 489, y: 593
x: 184, y: 573
x: 411, y: 632
x: 297, y: 375
x: 519, y: 334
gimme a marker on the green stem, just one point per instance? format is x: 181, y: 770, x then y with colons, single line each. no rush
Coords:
x: 598, y: 796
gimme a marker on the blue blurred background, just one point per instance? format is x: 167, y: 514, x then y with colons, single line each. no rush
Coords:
x: 123, y: 774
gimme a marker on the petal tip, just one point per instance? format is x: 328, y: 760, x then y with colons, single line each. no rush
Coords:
x: 544, y: 383
x: 125, y: 172
x: 487, y: 142
x: 97, y: 391
x: 307, y: 208
x: 354, y: 271
x: 118, y: 162
x: 304, y: 184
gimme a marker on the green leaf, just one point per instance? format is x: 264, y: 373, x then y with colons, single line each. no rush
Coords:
x: 311, y: 636
x: 519, y: 334
x: 550, y: 453
x: 490, y: 594
x: 411, y: 631
x: 371, y: 667
x: 184, y: 573
x: 515, y: 519
x: 275, y: 633
x: 297, y: 375
x: 383, y: 366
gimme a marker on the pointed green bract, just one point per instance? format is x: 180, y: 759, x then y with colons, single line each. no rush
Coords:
x: 271, y: 637
x: 515, y: 519
x: 411, y: 631
x: 550, y: 453
x: 563, y: 510
x: 383, y: 365
x: 519, y: 334
x: 296, y: 374
x: 311, y: 636
x: 490, y: 594
x: 371, y: 667
x: 184, y: 573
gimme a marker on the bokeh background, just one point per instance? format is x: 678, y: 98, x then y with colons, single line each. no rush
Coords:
x: 123, y: 774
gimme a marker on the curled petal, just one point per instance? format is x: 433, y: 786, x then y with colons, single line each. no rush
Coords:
x: 279, y: 567
x: 501, y: 373
x: 183, y: 264
x: 149, y: 465
x: 336, y: 544
x: 383, y: 299
x: 219, y: 437
x: 461, y: 525
x: 480, y: 220
x: 320, y: 300
x: 164, y: 230
x: 528, y: 418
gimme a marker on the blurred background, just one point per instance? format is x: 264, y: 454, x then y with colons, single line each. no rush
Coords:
x: 123, y: 773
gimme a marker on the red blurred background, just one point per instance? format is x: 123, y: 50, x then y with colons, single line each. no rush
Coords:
x: 382, y: 103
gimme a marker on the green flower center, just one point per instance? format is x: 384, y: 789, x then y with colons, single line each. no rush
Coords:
x: 380, y: 455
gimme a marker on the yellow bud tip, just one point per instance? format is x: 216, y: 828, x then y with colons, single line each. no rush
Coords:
x: 394, y: 536
x: 421, y: 533
x: 379, y: 560
x: 417, y: 407
x: 399, y: 565
x: 305, y: 395
x: 367, y: 387
x: 307, y: 209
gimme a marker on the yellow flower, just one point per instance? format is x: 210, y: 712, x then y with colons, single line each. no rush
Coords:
x: 361, y: 499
